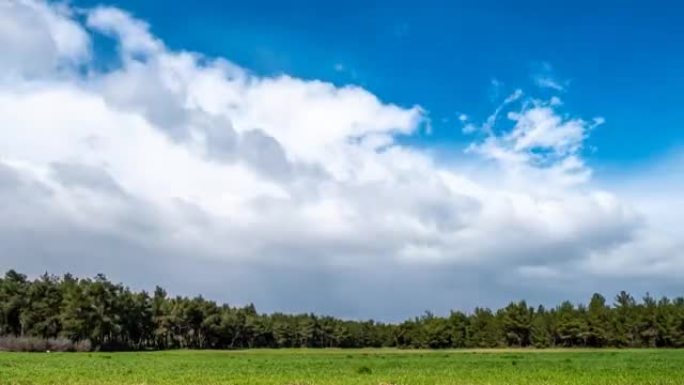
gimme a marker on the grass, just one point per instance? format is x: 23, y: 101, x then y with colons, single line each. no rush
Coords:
x: 338, y: 367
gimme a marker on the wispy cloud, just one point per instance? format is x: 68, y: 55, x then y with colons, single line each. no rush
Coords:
x: 544, y: 76
x: 548, y: 82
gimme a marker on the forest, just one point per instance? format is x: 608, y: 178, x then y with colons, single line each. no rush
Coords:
x: 101, y: 315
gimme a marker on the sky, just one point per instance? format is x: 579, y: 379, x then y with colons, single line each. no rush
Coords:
x: 365, y: 160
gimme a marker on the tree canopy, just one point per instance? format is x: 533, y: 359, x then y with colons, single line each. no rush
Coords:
x: 111, y: 316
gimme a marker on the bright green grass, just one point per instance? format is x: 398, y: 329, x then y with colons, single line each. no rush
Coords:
x: 372, y: 367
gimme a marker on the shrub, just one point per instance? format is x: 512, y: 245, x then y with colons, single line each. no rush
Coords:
x: 37, y: 344
x: 364, y: 370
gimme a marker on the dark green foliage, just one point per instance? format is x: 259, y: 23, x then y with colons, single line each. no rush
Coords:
x: 598, y: 321
x: 109, y: 316
x: 541, y: 330
x: 517, y: 323
x: 485, y: 330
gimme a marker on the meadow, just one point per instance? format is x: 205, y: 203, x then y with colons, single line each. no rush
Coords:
x: 338, y: 367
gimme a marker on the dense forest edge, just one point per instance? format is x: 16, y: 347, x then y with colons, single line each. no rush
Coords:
x: 71, y: 314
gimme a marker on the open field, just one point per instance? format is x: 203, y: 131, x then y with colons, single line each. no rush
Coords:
x: 281, y: 367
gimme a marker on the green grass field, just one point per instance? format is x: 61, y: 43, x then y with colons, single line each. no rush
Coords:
x: 282, y: 367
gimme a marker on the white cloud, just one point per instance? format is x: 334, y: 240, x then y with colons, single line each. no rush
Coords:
x: 544, y: 77
x: 37, y: 38
x: 200, y: 172
x: 548, y: 82
x: 132, y: 34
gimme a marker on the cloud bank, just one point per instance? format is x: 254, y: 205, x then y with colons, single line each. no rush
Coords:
x: 175, y: 168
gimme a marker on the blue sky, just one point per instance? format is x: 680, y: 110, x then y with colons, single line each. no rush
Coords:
x: 618, y: 59
x: 278, y: 152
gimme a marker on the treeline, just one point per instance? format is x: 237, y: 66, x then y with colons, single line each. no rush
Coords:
x: 100, y: 314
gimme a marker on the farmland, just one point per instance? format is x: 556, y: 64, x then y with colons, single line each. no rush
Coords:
x: 337, y: 366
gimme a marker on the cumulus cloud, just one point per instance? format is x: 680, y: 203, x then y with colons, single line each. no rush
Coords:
x: 39, y: 38
x: 192, y: 172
